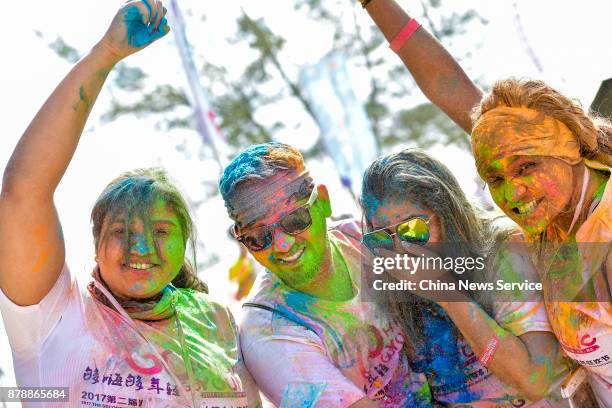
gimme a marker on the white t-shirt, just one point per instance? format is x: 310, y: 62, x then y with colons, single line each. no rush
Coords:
x: 71, y: 340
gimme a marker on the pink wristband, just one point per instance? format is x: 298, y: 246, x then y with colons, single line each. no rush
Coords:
x: 404, y: 35
x: 488, y: 352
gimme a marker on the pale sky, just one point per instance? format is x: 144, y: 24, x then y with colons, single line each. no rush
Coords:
x: 562, y: 34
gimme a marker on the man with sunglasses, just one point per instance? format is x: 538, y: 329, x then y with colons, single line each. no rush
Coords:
x: 306, y: 337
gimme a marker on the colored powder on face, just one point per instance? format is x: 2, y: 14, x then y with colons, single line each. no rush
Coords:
x: 137, y: 286
x: 283, y: 241
x: 140, y: 244
x: 302, y: 395
x: 496, y: 164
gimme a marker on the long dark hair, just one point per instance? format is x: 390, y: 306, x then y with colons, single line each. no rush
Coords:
x: 416, y: 176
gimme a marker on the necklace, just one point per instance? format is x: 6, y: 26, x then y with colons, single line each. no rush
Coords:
x: 585, y: 183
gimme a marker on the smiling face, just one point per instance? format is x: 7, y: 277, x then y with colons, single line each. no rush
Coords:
x: 295, y: 259
x: 391, y: 211
x: 147, y: 270
x: 533, y: 191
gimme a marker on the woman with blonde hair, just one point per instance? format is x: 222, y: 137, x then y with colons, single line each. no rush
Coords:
x: 547, y: 164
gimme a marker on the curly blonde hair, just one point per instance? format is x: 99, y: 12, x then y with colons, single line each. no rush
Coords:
x: 593, y: 132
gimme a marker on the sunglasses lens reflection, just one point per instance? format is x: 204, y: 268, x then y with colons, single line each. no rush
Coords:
x: 292, y: 223
x: 378, y: 239
x: 297, y: 221
x: 258, y: 239
x: 415, y: 230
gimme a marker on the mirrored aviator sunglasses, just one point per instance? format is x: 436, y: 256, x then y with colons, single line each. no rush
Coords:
x: 293, y: 223
x: 414, y: 230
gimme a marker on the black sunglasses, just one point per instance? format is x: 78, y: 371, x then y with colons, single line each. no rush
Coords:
x: 296, y: 221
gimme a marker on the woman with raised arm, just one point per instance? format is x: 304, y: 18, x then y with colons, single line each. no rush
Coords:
x: 547, y: 164
x: 142, y: 332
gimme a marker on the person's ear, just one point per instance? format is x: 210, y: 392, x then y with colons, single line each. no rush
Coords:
x: 323, y: 200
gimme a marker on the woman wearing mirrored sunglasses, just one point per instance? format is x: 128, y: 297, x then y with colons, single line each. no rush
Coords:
x: 472, y: 351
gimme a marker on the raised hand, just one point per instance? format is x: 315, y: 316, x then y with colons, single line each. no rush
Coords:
x: 137, y: 24
x: 33, y: 254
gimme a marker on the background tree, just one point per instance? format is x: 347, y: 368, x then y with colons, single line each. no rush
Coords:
x: 267, y: 80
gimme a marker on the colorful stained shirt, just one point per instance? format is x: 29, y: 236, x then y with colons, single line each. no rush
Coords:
x: 323, y: 353
x: 584, y: 329
x: 453, y: 370
x: 71, y: 340
x: 456, y: 376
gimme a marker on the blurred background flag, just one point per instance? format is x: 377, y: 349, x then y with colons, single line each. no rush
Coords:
x: 345, y: 128
x: 205, y: 117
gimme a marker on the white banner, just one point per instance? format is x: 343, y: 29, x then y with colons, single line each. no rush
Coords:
x: 345, y: 128
x: 205, y: 116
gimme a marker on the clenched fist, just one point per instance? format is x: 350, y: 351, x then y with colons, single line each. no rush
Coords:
x: 136, y: 25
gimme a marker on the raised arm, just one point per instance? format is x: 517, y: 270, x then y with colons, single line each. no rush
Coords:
x: 435, y: 71
x: 32, y: 251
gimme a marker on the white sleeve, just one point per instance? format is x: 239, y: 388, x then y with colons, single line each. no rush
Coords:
x: 28, y: 327
x: 521, y: 317
x: 289, y: 364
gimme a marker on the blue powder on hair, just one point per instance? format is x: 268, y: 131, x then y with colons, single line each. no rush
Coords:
x: 370, y: 204
x: 246, y: 165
